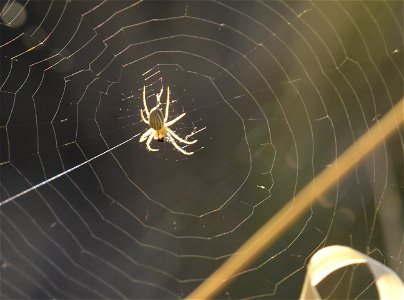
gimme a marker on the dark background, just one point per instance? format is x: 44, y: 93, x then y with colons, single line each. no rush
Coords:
x: 273, y: 92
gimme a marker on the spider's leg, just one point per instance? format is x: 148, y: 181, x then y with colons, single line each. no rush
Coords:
x: 143, y: 117
x: 172, y: 140
x: 144, y: 102
x: 149, y: 141
x: 175, y: 136
x: 167, y: 105
x: 158, y: 96
x: 146, y: 134
x: 174, y: 120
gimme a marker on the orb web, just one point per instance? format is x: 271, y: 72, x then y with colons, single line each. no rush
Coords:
x: 272, y: 91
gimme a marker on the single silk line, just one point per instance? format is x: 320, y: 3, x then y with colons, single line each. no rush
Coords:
x: 61, y: 174
x: 298, y: 205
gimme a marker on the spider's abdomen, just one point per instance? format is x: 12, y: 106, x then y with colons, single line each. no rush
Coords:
x: 156, y: 119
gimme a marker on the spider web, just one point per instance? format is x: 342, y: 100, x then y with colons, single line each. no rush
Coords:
x: 272, y: 91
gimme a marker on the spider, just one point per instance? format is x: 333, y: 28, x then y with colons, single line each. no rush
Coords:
x: 159, y: 127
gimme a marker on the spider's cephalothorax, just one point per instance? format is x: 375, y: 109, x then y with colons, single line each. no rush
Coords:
x: 159, y: 127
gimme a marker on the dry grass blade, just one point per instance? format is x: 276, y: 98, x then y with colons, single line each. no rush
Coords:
x: 327, y: 260
x: 327, y: 179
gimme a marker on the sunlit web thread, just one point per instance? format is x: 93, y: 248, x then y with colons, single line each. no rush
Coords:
x: 63, y: 173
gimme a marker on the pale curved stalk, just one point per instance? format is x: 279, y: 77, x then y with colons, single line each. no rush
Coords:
x: 301, y: 203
